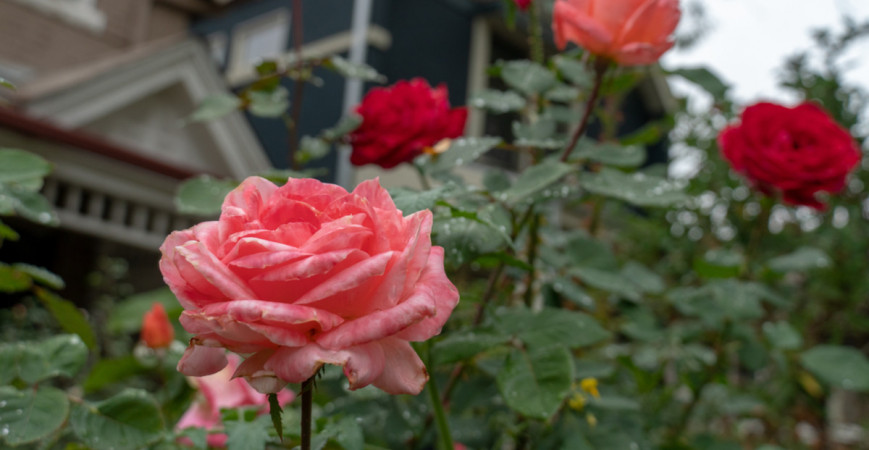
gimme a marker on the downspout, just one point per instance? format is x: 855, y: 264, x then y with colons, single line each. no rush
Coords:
x: 353, y: 86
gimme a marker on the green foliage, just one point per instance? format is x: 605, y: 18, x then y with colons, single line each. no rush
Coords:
x: 637, y: 189
x: 461, y: 151
x: 30, y: 415
x: 214, y: 107
x: 535, y: 380
x: 704, y: 78
x: 68, y: 316
x: 527, y: 77
x: 203, y: 195
x: 352, y: 70
x: 534, y: 180
x: 838, y: 366
x: 32, y: 362
x: 498, y: 102
x: 131, y: 419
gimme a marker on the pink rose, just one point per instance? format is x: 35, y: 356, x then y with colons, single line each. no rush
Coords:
x: 308, y: 274
x: 796, y: 151
x: 218, y: 391
x: 629, y: 32
x: 400, y: 121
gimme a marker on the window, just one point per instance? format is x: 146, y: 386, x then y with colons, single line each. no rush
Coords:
x: 81, y: 13
x: 258, y: 39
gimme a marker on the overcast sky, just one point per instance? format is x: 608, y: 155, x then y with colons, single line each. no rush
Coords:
x: 750, y: 39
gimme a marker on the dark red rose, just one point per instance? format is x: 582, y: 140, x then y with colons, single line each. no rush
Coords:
x: 523, y: 4
x: 795, y: 151
x: 400, y: 121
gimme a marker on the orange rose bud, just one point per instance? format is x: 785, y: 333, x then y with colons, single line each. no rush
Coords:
x: 157, y: 332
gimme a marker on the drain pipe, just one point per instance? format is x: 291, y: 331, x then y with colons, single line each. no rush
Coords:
x: 353, y: 86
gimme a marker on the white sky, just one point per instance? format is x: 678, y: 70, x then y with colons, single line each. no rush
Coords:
x: 750, y: 39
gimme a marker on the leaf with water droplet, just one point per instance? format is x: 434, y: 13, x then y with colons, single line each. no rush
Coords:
x: 130, y: 419
x: 801, y: 259
x: 203, y: 195
x: 461, y: 151
x: 498, y: 102
x: 844, y: 367
x: 637, y: 189
x: 30, y: 415
x: 535, y: 380
x: 526, y: 76
x: 535, y: 179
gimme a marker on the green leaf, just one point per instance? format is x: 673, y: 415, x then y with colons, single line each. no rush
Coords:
x: 266, y: 68
x: 613, y: 282
x: 527, y: 77
x: 203, y: 195
x: 5, y: 83
x: 108, y: 371
x: 574, y: 71
x: 34, y: 361
x: 461, y: 346
x: 344, y: 126
x: 571, y: 291
x: 586, y: 251
x: 638, y: 188
x: 275, y: 411
x: 610, y: 154
x: 535, y: 179
x: 27, y: 203
x: 782, y: 335
x: 130, y: 419
x: 497, y: 102
x: 30, y: 415
x: 409, y: 201
x: 18, y: 166
x: 462, y: 151
x: 311, y: 148
x: 463, y: 238
x: 615, y: 403
x: 352, y: 70
x: 550, y: 326
x: 705, y: 78
x: 13, y: 280
x: 41, y: 275
x: 270, y: 103
x: 719, y: 263
x: 802, y: 259
x: 844, y: 367
x: 7, y: 233
x: 68, y: 316
x: 247, y: 435
x: 719, y: 300
x: 643, y: 278
x: 347, y: 433
x: 562, y: 93
x: 214, y: 107
x: 534, y: 381
x: 540, y: 134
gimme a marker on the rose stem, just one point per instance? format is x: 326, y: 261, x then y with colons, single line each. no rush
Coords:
x: 446, y: 439
x: 600, y: 67
x: 535, y: 34
x: 298, y: 84
x: 307, y: 399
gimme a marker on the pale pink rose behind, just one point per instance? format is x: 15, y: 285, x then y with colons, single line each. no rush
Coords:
x: 218, y: 391
x: 307, y: 274
x: 629, y: 32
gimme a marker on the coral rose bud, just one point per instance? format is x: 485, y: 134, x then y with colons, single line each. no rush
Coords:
x: 307, y: 274
x: 220, y: 391
x: 400, y: 121
x: 629, y: 32
x: 157, y: 332
x: 797, y: 152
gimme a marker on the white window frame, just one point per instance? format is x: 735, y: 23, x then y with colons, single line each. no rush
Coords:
x: 79, y: 13
x: 237, y: 64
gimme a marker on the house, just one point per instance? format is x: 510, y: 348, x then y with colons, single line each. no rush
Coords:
x: 103, y: 91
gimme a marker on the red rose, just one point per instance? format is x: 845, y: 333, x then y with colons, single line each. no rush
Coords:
x: 798, y: 151
x: 307, y: 274
x: 523, y: 4
x: 629, y: 32
x: 157, y: 332
x: 400, y: 121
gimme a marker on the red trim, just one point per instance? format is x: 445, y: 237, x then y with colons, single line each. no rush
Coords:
x: 88, y: 142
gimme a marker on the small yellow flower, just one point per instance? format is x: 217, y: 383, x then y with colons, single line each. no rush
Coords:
x: 577, y: 402
x: 591, y: 419
x: 590, y: 385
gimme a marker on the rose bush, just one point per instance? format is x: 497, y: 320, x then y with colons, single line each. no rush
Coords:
x: 308, y: 274
x: 157, y: 332
x: 629, y: 32
x: 400, y: 121
x: 797, y: 151
x: 218, y: 391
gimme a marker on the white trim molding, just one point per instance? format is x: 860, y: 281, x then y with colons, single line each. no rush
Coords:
x: 80, y: 13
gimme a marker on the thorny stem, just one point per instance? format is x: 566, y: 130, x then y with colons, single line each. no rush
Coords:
x: 535, y: 33
x: 307, y: 400
x: 600, y: 67
x: 298, y: 84
x: 533, y: 242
